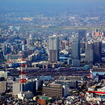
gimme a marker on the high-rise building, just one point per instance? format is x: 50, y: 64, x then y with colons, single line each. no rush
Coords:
x: 93, y: 52
x: 97, y: 51
x: 6, y: 49
x: 30, y: 40
x: 53, y: 45
x: 1, y: 55
x: 75, y: 54
x: 89, y: 57
x: 82, y: 34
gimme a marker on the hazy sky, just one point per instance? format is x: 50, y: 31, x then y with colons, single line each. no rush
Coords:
x: 52, y: 1
x: 73, y: 4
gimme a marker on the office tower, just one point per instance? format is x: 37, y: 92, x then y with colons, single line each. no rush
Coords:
x: 30, y: 40
x: 75, y: 51
x: 89, y: 57
x: 97, y: 51
x: 1, y: 55
x: 82, y: 34
x: 6, y: 49
x: 93, y: 52
x: 53, y: 45
x: 24, y: 45
x: 82, y: 47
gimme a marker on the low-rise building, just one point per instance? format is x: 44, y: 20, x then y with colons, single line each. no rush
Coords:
x: 2, y: 85
x: 55, y: 90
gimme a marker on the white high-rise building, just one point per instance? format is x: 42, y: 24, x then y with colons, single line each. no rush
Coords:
x: 53, y: 45
x: 89, y: 52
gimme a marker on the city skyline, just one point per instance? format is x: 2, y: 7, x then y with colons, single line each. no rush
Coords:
x: 52, y: 52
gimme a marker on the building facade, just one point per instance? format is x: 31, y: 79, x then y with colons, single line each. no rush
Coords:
x: 53, y: 45
x: 89, y: 57
x: 75, y: 51
x: 97, y: 51
x: 55, y: 90
x: 2, y: 84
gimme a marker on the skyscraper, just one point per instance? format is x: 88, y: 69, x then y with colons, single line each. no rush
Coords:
x: 75, y: 54
x: 6, y: 49
x: 93, y: 52
x: 97, y: 51
x: 30, y: 40
x: 53, y: 45
x: 89, y: 57
x: 82, y: 34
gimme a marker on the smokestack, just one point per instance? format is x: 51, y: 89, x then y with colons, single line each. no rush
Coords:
x: 22, y: 77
